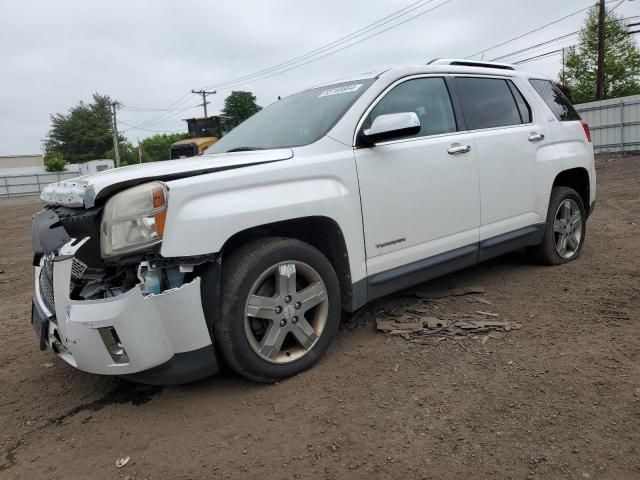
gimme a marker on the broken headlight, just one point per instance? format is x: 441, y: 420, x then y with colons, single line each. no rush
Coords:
x: 134, y: 219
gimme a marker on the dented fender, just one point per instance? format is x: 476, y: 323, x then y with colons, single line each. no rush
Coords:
x: 319, y: 181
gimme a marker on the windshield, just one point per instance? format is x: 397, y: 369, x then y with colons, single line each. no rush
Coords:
x: 293, y: 121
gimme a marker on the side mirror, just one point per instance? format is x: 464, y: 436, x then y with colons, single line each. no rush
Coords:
x: 390, y: 126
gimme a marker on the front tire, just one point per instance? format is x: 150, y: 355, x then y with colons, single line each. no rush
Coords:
x: 565, y: 231
x: 280, y: 308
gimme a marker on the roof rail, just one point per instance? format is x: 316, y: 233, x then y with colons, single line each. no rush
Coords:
x: 470, y: 63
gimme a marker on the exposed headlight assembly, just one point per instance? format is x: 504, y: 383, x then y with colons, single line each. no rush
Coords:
x: 134, y: 219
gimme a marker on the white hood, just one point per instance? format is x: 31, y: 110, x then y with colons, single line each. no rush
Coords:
x: 83, y: 191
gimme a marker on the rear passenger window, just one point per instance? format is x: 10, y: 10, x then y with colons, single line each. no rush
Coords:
x: 488, y: 103
x: 555, y: 99
x: 427, y: 97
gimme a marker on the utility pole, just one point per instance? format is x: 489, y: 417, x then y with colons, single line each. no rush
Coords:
x: 139, y: 151
x: 204, y: 94
x: 602, y: 13
x: 564, y: 82
x: 114, y: 130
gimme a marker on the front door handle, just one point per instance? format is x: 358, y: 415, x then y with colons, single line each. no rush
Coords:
x: 536, y: 137
x: 457, y: 149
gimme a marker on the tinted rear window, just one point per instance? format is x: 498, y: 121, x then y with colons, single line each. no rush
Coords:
x: 555, y: 99
x: 487, y: 103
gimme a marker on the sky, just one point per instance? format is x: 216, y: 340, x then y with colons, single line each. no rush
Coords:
x: 149, y: 55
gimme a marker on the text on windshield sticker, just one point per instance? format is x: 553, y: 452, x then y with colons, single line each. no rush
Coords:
x: 339, y: 90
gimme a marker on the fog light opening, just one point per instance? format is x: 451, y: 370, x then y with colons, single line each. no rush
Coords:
x: 56, y: 343
x: 114, y: 345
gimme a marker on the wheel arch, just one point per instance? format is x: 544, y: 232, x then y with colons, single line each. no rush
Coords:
x: 322, y: 232
x: 578, y: 179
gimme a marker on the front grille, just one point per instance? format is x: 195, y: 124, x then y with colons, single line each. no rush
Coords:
x: 46, y: 285
x: 46, y: 280
x: 77, y: 268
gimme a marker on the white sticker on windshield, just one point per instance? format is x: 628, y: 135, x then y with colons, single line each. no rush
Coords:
x: 339, y: 90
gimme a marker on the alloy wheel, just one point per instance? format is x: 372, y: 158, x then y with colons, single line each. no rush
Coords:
x: 286, y: 312
x: 567, y: 228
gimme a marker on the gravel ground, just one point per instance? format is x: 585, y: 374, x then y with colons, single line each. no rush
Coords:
x: 558, y: 398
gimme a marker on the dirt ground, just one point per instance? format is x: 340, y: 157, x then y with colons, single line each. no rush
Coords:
x: 559, y: 398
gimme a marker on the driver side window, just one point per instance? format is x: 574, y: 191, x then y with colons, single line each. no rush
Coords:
x: 427, y: 97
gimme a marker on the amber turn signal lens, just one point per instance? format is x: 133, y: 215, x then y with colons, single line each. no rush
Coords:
x: 161, y: 218
x: 158, y: 197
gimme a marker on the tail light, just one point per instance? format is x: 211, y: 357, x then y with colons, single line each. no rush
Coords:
x: 587, y: 132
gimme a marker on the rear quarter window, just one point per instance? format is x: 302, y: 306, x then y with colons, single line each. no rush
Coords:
x: 555, y: 100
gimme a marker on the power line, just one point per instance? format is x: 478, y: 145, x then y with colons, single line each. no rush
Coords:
x: 536, y: 57
x: 172, y: 107
x: 168, y: 115
x: 138, y: 109
x: 537, y: 51
x: 348, y: 46
x: 530, y: 31
x: 279, y: 70
x: 561, y: 37
x: 552, y: 52
x: 180, y: 101
x: 165, y: 116
x: 555, y: 39
x: 372, y: 26
x: 340, y: 49
x: 330, y: 49
x: 613, y: 8
x: 133, y: 127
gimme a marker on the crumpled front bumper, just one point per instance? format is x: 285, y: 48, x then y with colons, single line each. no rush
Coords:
x: 165, y: 336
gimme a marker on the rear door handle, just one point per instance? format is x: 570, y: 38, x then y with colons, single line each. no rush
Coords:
x: 536, y: 137
x: 457, y: 149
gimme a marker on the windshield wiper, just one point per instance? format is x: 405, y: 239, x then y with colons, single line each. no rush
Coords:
x: 243, y: 149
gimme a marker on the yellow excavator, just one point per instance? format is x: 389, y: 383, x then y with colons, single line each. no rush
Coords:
x: 203, y: 132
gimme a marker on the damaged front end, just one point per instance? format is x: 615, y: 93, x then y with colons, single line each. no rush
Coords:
x: 137, y: 315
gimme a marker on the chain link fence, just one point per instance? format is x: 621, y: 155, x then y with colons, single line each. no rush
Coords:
x: 20, y: 185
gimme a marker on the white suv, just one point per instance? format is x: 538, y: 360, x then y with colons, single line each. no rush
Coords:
x: 320, y: 203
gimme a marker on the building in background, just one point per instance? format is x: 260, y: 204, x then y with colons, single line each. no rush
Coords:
x: 26, y: 175
x: 95, y: 166
x: 21, y: 161
x: 18, y: 165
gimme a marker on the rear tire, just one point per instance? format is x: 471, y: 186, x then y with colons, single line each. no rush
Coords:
x: 565, y: 231
x: 280, y: 308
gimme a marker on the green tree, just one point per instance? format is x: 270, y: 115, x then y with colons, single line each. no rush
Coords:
x: 240, y: 106
x: 54, y: 163
x: 158, y: 147
x: 154, y: 149
x: 128, y: 154
x: 622, y: 61
x: 83, y: 134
